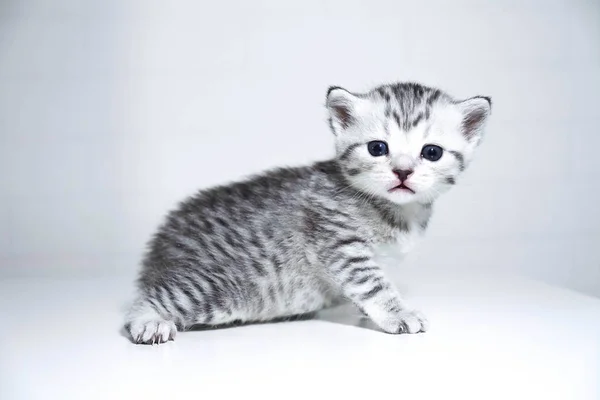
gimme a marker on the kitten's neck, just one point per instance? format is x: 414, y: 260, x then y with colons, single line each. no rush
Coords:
x: 401, y: 216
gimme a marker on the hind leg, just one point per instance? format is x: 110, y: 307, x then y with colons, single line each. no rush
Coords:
x: 146, y: 326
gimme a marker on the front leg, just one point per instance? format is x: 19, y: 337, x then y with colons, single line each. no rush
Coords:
x: 365, y: 284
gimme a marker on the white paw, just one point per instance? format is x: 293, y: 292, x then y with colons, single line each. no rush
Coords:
x: 153, y: 331
x: 412, y: 321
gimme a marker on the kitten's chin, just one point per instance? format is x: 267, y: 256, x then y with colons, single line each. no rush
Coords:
x: 403, y: 196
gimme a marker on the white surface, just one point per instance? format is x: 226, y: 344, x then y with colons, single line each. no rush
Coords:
x: 491, y: 338
x: 111, y: 111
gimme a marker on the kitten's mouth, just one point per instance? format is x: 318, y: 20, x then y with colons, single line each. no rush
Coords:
x: 402, y: 187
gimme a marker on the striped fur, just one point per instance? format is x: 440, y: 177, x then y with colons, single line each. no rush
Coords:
x: 295, y: 240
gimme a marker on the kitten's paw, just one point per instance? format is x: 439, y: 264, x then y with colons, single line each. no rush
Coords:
x: 412, y: 321
x: 151, y: 332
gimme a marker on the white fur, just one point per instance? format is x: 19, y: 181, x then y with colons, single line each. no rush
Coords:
x: 428, y: 180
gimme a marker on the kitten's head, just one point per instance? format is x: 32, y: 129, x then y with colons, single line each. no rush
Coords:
x: 405, y: 142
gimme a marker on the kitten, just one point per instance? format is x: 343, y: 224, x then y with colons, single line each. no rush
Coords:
x: 295, y: 240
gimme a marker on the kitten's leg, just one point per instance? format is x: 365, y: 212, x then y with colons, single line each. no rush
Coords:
x: 365, y: 284
x: 146, y: 325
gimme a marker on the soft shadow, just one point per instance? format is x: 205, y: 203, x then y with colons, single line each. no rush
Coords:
x: 347, y: 314
x: 344, y: 314
x: 235, y: 324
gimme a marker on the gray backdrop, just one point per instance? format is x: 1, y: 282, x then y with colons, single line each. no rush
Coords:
x: 113, y: 110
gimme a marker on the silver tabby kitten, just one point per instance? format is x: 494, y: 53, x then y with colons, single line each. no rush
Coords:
x: 295, y: 240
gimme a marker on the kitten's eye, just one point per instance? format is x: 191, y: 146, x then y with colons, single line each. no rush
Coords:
x: 432, y: 152
x: 377, y: 148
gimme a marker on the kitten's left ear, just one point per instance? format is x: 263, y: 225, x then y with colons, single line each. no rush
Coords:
x: 475, y: 112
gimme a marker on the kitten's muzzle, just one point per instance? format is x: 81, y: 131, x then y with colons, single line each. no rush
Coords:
x: 402, y: 175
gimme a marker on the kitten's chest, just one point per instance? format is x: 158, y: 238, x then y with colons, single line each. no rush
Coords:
x: 398, y: 242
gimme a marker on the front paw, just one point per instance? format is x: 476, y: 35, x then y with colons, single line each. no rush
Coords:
x: 411, y: 321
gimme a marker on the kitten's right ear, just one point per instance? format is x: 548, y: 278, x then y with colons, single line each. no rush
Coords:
x: 341, y: 105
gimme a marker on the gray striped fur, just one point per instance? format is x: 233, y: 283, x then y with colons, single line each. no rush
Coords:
x: 292, y: 241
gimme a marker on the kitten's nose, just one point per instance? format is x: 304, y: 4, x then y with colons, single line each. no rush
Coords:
x: 403, y: 174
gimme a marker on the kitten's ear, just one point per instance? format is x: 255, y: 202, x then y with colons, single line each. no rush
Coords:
x: 475, y: 112
x: 342, y: 108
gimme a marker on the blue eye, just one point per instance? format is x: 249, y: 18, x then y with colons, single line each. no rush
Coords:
x: 432, y: 152
x: 377, y: 148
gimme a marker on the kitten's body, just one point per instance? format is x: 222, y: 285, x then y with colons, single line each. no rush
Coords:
x: 293, y: 241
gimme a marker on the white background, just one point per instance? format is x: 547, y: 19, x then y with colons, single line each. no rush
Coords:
x: 112, y: 111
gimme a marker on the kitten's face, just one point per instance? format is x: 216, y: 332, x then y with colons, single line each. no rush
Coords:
x: 405, y: 142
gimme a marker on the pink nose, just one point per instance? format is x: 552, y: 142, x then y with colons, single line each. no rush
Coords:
x: 403, y: 174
